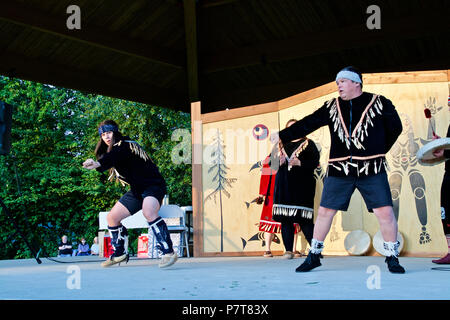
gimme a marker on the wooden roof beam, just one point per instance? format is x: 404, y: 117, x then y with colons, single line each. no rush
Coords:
x: 215, y: 3
x: 21, y: 14
x: 190, y: 27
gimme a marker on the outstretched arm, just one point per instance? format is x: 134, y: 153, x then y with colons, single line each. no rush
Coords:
x: 305, y: 126
x: 301, y: 128
x: 442, y: 152
x: 91, y: 164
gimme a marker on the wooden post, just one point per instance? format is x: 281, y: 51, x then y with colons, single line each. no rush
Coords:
x: 197, y: 186
x: 190, y: 29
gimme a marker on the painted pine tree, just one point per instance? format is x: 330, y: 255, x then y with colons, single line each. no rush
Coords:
x: 219, y: 172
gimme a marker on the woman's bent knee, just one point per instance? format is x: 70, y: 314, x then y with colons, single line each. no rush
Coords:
x: 117, y: 214
x: 150, y: 208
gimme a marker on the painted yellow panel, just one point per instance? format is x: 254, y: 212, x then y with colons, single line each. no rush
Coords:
x: 229, y: 186
x: 419, y: 214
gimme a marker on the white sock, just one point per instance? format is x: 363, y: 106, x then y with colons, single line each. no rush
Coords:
x: 316, y: 246
x: 391, y: 248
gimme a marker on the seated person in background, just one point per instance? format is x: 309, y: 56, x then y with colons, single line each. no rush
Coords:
x: 64, y: 248
x: 95, y: 247
x: 83, y: 248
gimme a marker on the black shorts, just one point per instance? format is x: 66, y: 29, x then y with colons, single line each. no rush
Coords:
x: 374, y: 189
x: 133, y: 201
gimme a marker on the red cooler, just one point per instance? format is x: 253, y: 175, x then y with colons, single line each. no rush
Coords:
x: 108, y: 250
x: 143, y: 246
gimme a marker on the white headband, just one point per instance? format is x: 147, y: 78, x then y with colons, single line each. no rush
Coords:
x: 350, y: 75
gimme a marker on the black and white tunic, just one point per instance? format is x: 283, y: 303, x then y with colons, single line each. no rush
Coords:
x: 131, y: 165
x: 362, y: 131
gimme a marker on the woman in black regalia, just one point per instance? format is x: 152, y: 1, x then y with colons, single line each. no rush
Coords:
x: 130, y: 164
x: 295, y: 187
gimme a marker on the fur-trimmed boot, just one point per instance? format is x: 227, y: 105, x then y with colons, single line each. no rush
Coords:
x: 119, y: 242
x: 391, y: 249
x: 313, y: 259
x: 164, y: 243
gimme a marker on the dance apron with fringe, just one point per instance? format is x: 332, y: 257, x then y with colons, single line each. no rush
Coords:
x: 266, y: 188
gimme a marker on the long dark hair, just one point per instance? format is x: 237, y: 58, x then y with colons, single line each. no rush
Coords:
x: 102, y: 147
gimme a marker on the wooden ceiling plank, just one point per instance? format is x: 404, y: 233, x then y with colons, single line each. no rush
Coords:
x: 318, y: 43
x: 24, y: 15
x: 205, y: 4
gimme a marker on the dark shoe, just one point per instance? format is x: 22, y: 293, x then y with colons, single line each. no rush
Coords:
x: 444, y: 260
x: 312, y: 261
x: 393, y: 265
x: 268, y: 254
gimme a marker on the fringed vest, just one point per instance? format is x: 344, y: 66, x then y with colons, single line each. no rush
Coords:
x: 362, y: 131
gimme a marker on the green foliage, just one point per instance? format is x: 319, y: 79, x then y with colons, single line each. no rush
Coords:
x: 54, y: 130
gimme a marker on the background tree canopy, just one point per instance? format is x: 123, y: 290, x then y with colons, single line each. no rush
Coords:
x: 54, y: 130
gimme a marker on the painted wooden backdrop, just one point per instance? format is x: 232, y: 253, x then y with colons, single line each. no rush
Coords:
x: 233, y: 142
